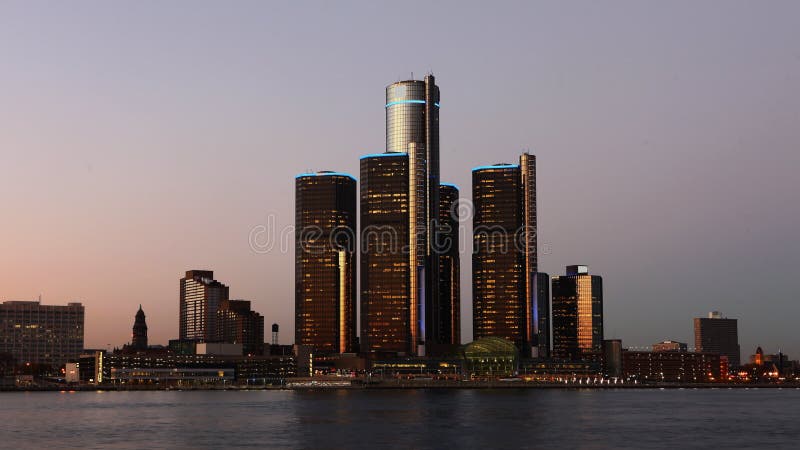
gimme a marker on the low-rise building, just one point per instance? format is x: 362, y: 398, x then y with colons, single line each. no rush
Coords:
x: 169, y: 369
x: 678, y: 367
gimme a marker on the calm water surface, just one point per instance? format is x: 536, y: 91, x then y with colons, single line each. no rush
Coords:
x: 718, y: 418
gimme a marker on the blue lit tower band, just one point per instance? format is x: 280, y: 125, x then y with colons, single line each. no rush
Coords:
x: 412, y: 127
x: 325, y: 258
x: 504, y: 260
x: 449, y: 266
x: 389, y: 307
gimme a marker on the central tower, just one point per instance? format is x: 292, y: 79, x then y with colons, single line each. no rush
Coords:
x: 412, y: 127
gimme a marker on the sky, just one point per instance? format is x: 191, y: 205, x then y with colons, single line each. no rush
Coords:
x: 139, y: 140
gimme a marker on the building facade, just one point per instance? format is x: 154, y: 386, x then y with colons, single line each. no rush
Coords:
x: 675, y: 367
x: 504, y: 259
x: 449, y: 266
x: 238, y: 324
x: 195, y: 370
x: 325, y: 260
x: 200, y: 296
x: 577, y: 314
x: 48, y: 335
x: 389, y: 312
x: 716, y: 334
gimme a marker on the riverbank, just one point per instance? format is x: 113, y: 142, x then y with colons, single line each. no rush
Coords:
x: 311, y: 384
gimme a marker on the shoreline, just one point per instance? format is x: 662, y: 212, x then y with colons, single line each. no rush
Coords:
x: 483, y: 385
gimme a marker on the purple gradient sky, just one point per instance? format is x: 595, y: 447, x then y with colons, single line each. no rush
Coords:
x: 142, y: 139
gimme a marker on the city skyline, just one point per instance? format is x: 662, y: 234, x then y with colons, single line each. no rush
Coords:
x: 111, y: 211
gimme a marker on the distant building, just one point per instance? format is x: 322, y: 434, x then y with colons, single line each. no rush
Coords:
x: 670, y: 346
x: 504, y: 259
x: 716, y: 334
x: 774, y: 365
x: 758, y: 358
x: 200, y: 297
x: 325, y: 259
x: 47, y: 335
x: 192, y: 370
x: 238, y: 324
x: 671, y: 366
x: 577, y: 312
x: 90, y: 366
x: 612, y: 358
x: 139, y: 339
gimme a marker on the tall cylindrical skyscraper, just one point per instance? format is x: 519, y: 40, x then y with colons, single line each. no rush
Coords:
x: 412, y: 126
x: 325, y: 258
x: 389, y: 303
x: 504, y: 259
x: 498, y: 277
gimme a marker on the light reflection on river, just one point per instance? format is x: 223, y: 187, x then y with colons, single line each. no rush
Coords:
x: 504, y: 418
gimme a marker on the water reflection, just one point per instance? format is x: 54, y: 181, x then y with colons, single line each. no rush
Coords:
x: 398, y: 418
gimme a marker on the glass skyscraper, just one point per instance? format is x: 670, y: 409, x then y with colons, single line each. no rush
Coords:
x: 200, y: 297
x: 449, y: 266
x: 389, y: 311
x: 401, y: 301
x: 412, y: 127
x: 504, y: 259
x: 577, y: 314
x: 325, y: 258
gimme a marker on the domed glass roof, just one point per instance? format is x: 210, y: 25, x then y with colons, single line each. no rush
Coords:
x: 490, y: 346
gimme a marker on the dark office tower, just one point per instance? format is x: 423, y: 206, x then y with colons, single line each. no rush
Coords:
x: 449, y: 322
x: 200, y: 297
x: 504, y: 259
x: 412, y: 127
x: 390, y: 305
x: 716, y: 334
x: 540, y: 313
x: 527, y: 240
x: 238, y: 324
x: 577, y: 314
x: 139, y: 339
x: 325, y: 258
